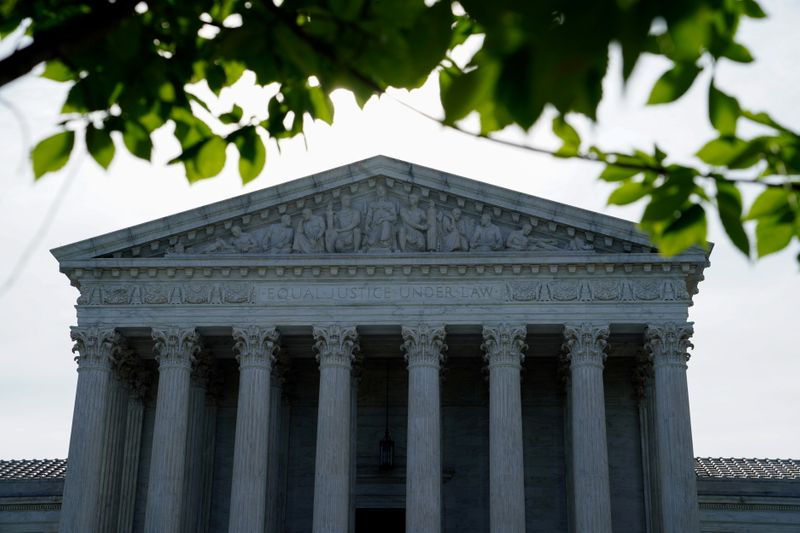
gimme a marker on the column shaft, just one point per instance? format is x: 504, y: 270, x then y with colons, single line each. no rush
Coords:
x: 335, y: 346
x: 273, y: 454
x: 130, y: 464
x: 112, y: 457
x: 504, y: 346
x: 255, y: 349
x: 165, y: 498
x: 591, y: 493
x: 195, y: 461
x: 424, y: 346
x: 207, y: 478
x: 668, y: 344
x: 82, y: 495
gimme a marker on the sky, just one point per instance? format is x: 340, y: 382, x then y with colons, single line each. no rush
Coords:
x: 743, y: 374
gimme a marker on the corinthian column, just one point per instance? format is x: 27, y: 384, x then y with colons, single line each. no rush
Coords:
x: 80, y: 509
x: 175, y: 349
x: 255, y: 349
x: 585, y: 347
x: 335, y: 347
x: 424, y: 348
x: 668, y: 345
x: 504, y: 346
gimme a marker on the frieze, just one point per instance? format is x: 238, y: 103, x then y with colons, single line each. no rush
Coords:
x: 490, y: 291
x: 622, y: 290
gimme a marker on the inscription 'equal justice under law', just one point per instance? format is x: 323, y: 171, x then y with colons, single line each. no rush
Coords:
x: 382, y: 292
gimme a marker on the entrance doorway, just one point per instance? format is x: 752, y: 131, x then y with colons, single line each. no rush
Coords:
x: 369, y: 520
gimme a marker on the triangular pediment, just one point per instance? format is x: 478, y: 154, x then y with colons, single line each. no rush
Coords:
x: 376, y: 206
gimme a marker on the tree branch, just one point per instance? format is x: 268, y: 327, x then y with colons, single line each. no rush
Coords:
x: 325, y: 51
x: 65, y: 39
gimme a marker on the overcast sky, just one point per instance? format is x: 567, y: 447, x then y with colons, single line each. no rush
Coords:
x: 743, y: 375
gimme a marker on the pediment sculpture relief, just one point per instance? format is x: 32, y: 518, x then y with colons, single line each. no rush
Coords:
x: 383, y: 225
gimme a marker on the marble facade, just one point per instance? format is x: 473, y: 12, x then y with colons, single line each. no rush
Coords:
x: 233, y: 358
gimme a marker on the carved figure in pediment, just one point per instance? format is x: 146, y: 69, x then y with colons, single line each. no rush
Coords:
x: 278, y: 238
x: 545, y: 244
x: 177, y: 249
x: 413, y: 227
x: 380, y: 221
x: 344, y: 228
x: 519, y: 239
x: 309, y: 237
x: 455, y: 230
x: 578, y: 244
x: 240, y: 242
x: 487, y: 236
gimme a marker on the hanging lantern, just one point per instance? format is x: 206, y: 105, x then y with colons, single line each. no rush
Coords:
x: 387, y: 452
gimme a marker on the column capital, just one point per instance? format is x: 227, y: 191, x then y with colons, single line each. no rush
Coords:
x: 96, y: 346
x: 335, y: 345
x: 256, y: 346
x: 504, y: 345
x: 176, y: 346
x: 585, y: 343
x: 424, y: 345
x: 668, y: 343
x: 132, y: 372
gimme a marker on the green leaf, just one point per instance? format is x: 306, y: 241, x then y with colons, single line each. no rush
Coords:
x: 210, y: 159
x: 729, y: 205
x: 768, y: 203
x: 463, y: 93
x: 52, y: 153
x: 739, y: 53
x: 719, y: 152
x: 166, y: 92
x: 252, y: 154
x: 772, y: 236
x: 615, y: 173
x: 673, y: 83
x: 232, y: 117
x: 766, y: 120
x: 100, y: 145
x: 628, y: 193
x: 57, y: 71
x: 723, y: 111
x: 753, y: 10
x: 687, y: 230
x: 668, y: 199
x: 321, y: 105
x: 346, y: 9
x: 137, y: 140
x: 568, y: 136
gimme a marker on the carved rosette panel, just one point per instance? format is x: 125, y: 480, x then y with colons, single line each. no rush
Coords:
x: 96, y: 346
x: 256, y: 346
x: 176, y: 347
x: 424, y: 345
x: 585, y: 344
x: 504, y: 345
x: 335, y: 345
x: 668, y: 343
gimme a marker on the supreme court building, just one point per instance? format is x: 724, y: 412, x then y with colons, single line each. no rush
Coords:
x: 381, y: 347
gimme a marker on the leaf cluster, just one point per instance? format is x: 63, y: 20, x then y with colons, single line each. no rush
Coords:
x: 138, y: 67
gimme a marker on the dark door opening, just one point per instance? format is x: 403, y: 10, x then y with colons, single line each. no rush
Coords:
x: 380, y: 520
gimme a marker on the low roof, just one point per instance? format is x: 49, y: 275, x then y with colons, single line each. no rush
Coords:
x: 734, y: 468
x: 704, y: 467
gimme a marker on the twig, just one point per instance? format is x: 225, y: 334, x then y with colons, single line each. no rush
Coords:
x: 41, y: 231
